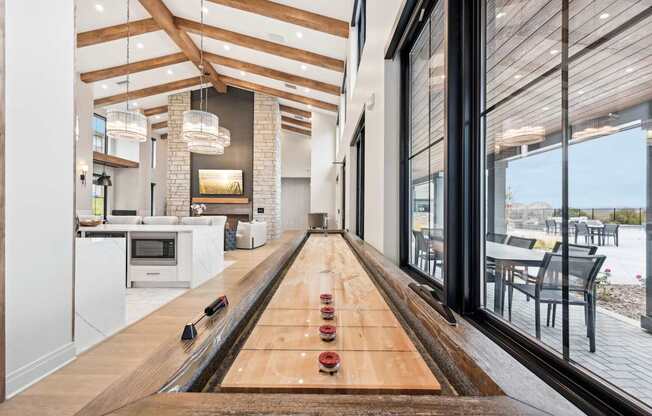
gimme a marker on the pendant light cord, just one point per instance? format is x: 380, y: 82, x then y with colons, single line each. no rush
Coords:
x: 201, y: 59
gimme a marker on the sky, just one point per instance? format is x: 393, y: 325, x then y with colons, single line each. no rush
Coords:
x: 608, y: 172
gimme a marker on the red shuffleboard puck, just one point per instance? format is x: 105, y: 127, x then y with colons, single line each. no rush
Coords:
x: 327, y: 332
x: 326, y: 298
x: 327, y: 312
x: 329, y: 362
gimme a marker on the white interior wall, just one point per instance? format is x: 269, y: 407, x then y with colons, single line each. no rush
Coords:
x: 379, y: 78
x: 295, y: 155
x: 322, y: 169
x: 40, y: 170
x: 84, y: 145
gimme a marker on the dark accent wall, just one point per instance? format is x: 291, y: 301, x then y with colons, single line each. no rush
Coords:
x: 236, y: 112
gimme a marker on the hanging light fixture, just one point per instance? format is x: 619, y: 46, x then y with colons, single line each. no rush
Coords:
x: 126, y: 124
x: 521, y: 136
x: 200, y: 128
x: 225, y: 136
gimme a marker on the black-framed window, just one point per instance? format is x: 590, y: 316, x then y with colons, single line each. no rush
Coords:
x: 360, y: 23
x: 566, y: 86
x: 153, y: 151
x: 424, y: 86
x: 152, y: 199
x: 359, y: 146
x: 99, y: 134
x: 570, y: 83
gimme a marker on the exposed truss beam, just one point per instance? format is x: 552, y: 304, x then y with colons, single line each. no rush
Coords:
x: 296, y: 129
x: 259, y: 44
x: 147, y: 92
x: 295, y: 111
x: 290, y: 120
x: 107, y: 34
x: 121, y: 70
x: 272, y: 73
x: 165, y: 19
x: 156, y: 110
x: 278, y: 93
x: 160, y: 125
x: 291, y: 15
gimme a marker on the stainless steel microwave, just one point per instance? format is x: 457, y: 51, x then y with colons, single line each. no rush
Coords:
x: 153, y: 249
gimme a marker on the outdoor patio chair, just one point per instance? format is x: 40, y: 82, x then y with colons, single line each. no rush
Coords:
x: 582, y: 272
x: 423, y: 254
x: 610, y: 231
x: 497, y: 238
x: 582, y: 230
x: 551, y: 226
x: 575, y: 249
x: 521, y: 242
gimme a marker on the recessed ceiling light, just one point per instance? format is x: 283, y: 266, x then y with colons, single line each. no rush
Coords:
x: 304, y: 67
x: 204, y: 9
x: 157, y: 116
x: 604, y: 16
x: 580, y: 92
x: 546, y: 108
x: 104, y: 86
x: 299, y: 35
x: 170, y: 72
x: 134, y: 104
x: 629, y: 70
x: 99, y: 7
x: 306, y: 89
x: 501, y: 15
x: 243, y: 73
x: 140, y: 45
x: 309, y: 106
x: 554, y: 51
x: 227, y: 47
x: 518, y: 76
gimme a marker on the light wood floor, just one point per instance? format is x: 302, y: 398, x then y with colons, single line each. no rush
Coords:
x: 67, y: 390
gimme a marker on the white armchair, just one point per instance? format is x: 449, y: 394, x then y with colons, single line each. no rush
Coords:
x: 196, y: 221
x: 251, y: 235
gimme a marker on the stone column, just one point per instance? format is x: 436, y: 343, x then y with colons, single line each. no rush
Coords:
x: 178, y: 192
x: 267, y: 163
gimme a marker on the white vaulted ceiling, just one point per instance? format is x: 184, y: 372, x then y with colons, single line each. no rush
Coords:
x: 98, y: 14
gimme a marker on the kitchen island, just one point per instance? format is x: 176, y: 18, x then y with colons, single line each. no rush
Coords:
x: 166, y: 255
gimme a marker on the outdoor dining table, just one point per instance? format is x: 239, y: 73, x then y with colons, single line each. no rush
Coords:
x: 596, y: 230
x: 505, y: 256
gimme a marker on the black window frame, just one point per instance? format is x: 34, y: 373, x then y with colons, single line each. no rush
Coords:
x: 358, y: 144
x: 359, y: 21
x: 464, y: 167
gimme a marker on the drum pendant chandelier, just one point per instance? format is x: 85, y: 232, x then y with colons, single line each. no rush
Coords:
x: 126, y: 124
x: 201, y: 129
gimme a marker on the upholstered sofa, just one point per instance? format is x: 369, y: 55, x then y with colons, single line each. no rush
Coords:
x: 251, y: 235
x: 161, y: 220
x: 124, y: 219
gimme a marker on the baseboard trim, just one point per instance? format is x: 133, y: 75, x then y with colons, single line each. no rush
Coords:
x: 35, y: 371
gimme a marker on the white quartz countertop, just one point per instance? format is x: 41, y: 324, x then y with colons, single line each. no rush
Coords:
x: 147, y: 227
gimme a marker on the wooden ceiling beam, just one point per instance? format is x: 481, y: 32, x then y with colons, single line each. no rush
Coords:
x: 107, y: 34
x: 290, y: 14
x: 290, y: 120
x: 296, y: 129
x: 234, y: 82
x: 165, y: 19
x: 147, y: 92
x: 121, y: 70
x: 156, y: 110
x: 160, y: 125
x: 259, y: 44
x: 272, y: 73
x: 295, y: 111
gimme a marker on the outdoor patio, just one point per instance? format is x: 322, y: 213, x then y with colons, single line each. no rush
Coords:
x: 622, y: 348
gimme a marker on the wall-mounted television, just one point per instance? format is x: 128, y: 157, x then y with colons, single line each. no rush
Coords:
x: 220, y: 182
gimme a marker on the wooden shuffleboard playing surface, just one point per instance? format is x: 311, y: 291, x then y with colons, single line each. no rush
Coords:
x: 281, y: 353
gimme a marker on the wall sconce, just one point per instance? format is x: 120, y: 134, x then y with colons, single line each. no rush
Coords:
x: 83, y: 171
